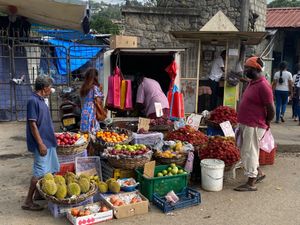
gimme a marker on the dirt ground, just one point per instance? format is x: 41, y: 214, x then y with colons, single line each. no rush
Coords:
x: 276, y: 202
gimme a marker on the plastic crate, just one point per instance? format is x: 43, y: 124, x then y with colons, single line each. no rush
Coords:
x: 71, y: 158
x: 66, y: 167
x: 110, y: 172
x: 161, y: 185
x: 61, y: 210
x: 267, y: 158
x: 90, y: 165
x: 187, y: 198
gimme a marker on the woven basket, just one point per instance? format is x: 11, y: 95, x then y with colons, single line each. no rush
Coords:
x: 67, y: 201
x: 71, y: 149
x: 129, y: 163
x: 167, y: 161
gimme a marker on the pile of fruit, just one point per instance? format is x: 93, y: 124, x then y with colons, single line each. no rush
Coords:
x: 110, y: 185
x: 65, y: 186
x: 124, y: 199
x: 171, y: 171
x: 188, y: 134
x: 111, y: 137
x: 88, y: 210
x: 222, y: 114
x: 67, y: 138
x: 223, y: 148
x: 128, y: 150
x: 161, y: 121
x: 175, y: 151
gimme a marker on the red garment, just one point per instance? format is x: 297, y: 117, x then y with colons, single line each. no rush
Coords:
x: 172, y: 71
x: 252, y: 109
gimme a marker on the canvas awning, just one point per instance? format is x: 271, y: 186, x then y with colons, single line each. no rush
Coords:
x: 221, y: 37
x: 59, y: 13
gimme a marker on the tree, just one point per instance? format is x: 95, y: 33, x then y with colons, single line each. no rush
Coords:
x: 104, y: 25
x: 284, y: 3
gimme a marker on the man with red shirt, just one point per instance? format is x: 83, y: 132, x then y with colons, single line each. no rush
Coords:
x: 255, y: 113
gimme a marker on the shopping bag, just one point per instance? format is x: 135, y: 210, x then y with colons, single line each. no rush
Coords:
x: 128, y: 100
x: 176, y: 103
x: 267, y: 142
x: 114, y: 90
x: 123, y: 93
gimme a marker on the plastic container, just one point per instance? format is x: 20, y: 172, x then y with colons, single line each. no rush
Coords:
x: 212, y: 173
x: 187, y: 198
x: 90, y: 165
x: 267, y: 158
x: 61, y: 210
x: 109, y: 172
x: 161, y: 185
x: 71, y: 158
x: 127, y: 188
x: 66, y: 167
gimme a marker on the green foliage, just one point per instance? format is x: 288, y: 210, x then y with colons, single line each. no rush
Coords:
x: 103, y: 25
x: 284, y: 3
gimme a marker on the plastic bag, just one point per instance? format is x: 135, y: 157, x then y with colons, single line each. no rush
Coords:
x: 176, y: 103
x: 267, y: 142
x: 128, y: 99
x: 114, y: 90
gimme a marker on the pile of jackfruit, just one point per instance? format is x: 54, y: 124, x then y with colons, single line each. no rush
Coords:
x: 110, y: 185
x: 69, y: 185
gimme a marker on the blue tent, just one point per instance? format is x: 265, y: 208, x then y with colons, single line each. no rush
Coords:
x: 79, y: 54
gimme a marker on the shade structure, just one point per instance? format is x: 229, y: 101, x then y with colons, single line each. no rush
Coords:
x: 59, y: 13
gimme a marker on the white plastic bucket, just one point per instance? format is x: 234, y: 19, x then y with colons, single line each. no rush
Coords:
x: 212, y: 173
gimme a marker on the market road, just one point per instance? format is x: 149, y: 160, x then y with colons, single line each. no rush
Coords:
x: 277, y: 201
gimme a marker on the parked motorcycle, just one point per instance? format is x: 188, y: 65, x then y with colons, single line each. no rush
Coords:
x: 70, y: 109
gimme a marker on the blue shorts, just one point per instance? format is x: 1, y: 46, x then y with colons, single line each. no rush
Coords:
x: 45, y: 164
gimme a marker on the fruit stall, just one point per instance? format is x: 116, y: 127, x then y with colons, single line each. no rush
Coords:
x: 132, y: 168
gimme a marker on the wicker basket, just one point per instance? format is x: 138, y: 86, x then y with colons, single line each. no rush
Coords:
x: 71, y: 149
x: 67, y: 201
x: 167, y: 161
x: 128, y: 162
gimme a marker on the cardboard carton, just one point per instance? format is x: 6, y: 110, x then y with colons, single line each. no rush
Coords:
x: 120, y: 41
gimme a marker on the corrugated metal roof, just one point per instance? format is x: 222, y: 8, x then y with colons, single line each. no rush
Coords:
x: 283, y: 18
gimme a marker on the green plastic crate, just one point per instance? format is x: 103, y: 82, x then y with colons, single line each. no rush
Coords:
x: 161, y: 185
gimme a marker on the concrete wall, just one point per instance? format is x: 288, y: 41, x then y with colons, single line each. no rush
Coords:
x: 259, y: 7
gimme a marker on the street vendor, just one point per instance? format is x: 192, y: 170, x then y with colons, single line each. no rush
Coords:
x: 40, y: 138
x: 255, y: 114
x: 149, y: 92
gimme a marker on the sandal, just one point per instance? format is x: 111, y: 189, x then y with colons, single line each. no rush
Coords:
x: 260, y: 178
x: 245, y: 187
x: 33, y: 207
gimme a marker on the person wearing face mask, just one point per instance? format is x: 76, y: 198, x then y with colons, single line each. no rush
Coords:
x: 40, y: 137
x: 255, y: 112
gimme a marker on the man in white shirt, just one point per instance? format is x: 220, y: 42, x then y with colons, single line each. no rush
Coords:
x: 217, y: 70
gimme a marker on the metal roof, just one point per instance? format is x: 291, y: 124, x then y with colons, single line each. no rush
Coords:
x: 283, y: 18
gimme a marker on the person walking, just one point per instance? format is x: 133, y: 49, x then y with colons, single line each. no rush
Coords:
x: 255, y: 112
x: 282, y: 84
x: 40, y: 138
x: 217, y: 71
x: 295, y: 96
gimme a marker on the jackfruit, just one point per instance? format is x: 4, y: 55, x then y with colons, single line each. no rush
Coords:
x: 84, y: 176
x: 58, y: 179
x: 48, y: 176
x: 49, y: 187
x: 61, y: 192
x: 114, y: 187
x: 84, y: 184
x: 102, y: 186
x: 73, y: 189
x: 110, y: 180
x: 70, y: 177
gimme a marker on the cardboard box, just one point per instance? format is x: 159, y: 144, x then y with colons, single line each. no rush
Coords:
x: 92, y: 218
x: 120, y: 41
x: 131, y: 209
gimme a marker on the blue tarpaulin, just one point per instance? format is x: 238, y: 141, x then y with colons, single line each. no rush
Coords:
x: 79, y: 54
x: 66, y: 35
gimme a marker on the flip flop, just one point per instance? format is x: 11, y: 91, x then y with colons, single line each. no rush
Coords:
x: 33, y: 207
x: 245, y: 187
x: 260, y: 178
